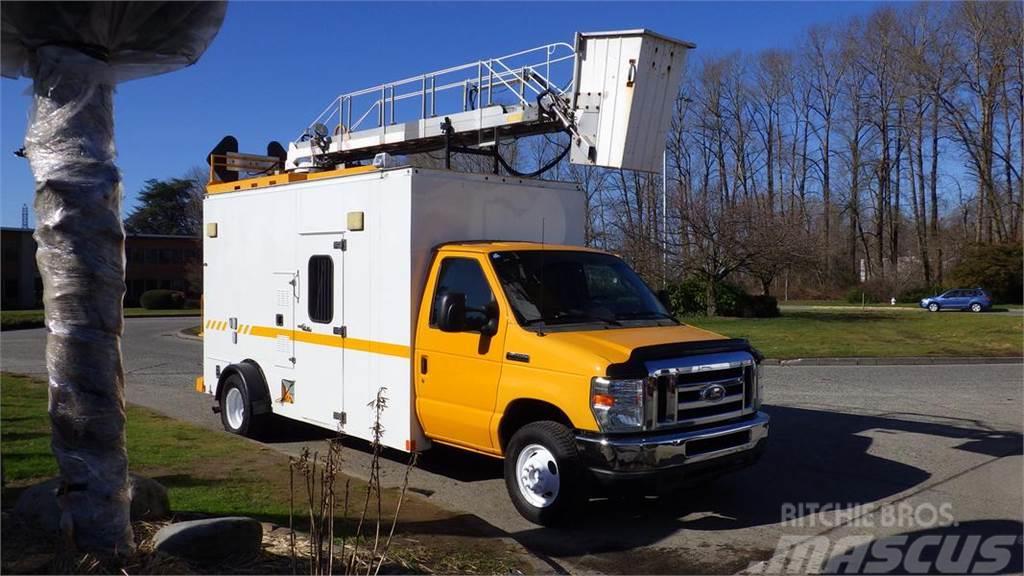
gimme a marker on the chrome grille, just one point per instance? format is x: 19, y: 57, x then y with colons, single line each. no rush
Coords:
x: 698, y: 390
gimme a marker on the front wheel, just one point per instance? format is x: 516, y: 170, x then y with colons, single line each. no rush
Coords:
x: 543, y: 473
x: 933, y: 307
x: 975, y: 307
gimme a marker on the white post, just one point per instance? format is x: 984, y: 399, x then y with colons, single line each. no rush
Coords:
x: 664, y: 216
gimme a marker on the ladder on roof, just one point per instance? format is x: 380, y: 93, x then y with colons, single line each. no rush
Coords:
x: 484, y: 100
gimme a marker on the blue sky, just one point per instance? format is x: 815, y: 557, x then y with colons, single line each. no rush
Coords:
x: 274, y: 66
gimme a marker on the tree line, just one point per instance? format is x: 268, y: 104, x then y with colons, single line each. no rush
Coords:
x: 886, y: 144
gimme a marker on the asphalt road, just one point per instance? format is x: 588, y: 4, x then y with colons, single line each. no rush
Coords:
x: 878, y: 438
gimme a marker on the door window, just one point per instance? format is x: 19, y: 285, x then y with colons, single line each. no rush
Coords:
x: 321, y: 289
x: 463, y: 275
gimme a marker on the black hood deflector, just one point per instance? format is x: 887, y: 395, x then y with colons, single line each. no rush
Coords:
x: 634, y: 366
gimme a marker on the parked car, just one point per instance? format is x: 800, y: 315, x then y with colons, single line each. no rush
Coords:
x: 974, y: 299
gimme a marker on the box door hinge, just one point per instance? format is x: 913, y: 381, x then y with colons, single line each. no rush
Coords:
x: 341, y: 417
x: 341, y: 331
x: 341, y: 245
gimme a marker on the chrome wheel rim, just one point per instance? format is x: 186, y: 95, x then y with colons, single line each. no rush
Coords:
x: 933, y: 307
x: 234, y: 408
x: 976, y: 307
x: 537, y: 475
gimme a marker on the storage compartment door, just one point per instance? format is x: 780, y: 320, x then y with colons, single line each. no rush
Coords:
x: 285, y: 294
x: 320, y: 329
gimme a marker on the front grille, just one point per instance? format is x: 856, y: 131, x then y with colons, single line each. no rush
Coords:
x: 699, y: 390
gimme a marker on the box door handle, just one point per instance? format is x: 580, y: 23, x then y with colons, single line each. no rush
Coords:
x: 631, y: 77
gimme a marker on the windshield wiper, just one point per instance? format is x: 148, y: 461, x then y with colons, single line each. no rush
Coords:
x: 581, y: 319
x: 570, y: 319
x: 648, y: 315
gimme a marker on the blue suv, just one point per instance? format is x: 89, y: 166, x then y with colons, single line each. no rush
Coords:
x: 975, y: 300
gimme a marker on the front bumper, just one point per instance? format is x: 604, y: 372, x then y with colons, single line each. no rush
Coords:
x: 649, y: 455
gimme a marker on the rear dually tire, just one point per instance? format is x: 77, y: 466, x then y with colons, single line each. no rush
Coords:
x: 236, y: 413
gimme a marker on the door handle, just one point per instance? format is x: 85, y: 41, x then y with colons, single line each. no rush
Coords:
x: 423, y: 364
x: 305, y: 328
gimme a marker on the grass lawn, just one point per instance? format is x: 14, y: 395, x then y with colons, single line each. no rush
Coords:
x: 21, y: 319
x: 849, y: 332
x: 214, y: 473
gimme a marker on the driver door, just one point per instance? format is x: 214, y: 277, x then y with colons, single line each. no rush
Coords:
x: 458, y: 372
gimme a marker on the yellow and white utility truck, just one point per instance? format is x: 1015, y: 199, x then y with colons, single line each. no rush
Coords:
x: 333, y: 271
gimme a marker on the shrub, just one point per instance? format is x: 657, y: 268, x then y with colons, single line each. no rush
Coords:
x: 689, y: 298
x: 729, y: 299
x: 854, y: 295
x: 996, y: 268
x: 162, y: 300
x: 757, y: 306
x: 915, y: 295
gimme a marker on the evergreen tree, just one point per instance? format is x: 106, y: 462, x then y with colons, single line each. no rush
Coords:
x: 166, y: 207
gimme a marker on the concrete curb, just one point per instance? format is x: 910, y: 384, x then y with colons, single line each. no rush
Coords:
x: 897, y: 361
x: 182, y: 335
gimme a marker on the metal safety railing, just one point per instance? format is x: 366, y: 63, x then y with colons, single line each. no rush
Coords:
x: 513, y: 79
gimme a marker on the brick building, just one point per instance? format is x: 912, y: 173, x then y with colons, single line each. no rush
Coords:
x: 151, y: 261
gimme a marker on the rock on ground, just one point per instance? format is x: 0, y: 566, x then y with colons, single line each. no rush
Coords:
x: 37, y: 505
x: 211, y: 539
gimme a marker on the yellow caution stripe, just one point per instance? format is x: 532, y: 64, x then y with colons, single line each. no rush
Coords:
x: 370, y: 346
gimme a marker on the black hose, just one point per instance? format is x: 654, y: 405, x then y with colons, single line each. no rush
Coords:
x: 536, y: 172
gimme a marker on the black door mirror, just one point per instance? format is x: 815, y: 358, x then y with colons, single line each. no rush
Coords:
x: 452, y: 316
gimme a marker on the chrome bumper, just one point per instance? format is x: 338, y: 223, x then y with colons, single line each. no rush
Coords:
x: 657, y: 452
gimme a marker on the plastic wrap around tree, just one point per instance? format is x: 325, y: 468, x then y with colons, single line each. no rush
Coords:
x: 75, y: 53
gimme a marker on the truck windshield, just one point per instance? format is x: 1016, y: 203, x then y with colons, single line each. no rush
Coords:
x: 552, y: 288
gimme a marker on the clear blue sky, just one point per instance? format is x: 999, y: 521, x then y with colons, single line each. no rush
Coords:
x: 274, y: 66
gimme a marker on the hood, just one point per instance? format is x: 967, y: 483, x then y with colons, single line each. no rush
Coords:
x: 589, y: 352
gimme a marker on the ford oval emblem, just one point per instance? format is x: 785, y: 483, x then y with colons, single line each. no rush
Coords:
x: 713, y: 393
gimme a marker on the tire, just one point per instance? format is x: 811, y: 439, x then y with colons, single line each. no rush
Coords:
x: 933, y: 307
x: 975, y: 307
x: 236, y: 409
x: 544, y: 454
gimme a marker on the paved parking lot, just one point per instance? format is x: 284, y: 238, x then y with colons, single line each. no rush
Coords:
x: 885, y: 444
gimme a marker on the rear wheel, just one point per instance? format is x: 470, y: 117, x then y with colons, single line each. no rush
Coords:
x: 933, y: 307
x: 975, y: 307
x: 236, y: 409
x: 543, y: 472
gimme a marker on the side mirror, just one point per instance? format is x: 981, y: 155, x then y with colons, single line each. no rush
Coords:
x: 452, y: 316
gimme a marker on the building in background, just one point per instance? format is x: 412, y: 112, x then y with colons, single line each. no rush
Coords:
x: 151, y: 261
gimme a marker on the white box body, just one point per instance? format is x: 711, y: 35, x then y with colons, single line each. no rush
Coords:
x: 257, y: 267
x: 626, y: 84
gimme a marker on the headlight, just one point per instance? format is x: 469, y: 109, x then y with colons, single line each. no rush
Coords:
x: 618, y: 405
